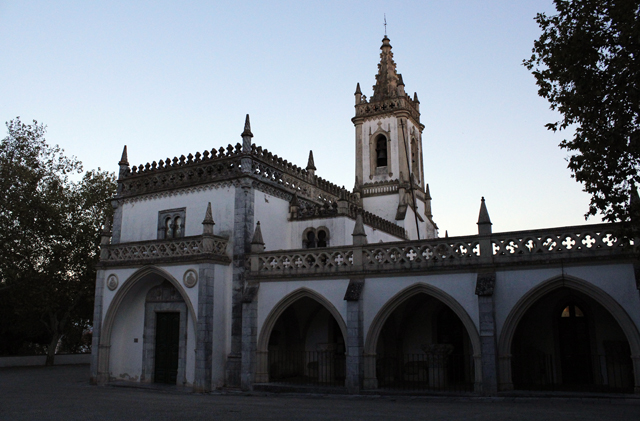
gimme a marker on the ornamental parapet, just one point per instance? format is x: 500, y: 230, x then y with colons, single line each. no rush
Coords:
x: 310, y: 210
x: 562, y: 245
x: 186, y: 249
x: 227, y: 164
x: 373, y: 108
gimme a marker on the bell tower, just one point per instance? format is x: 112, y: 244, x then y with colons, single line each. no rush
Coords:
x: 389, y: 159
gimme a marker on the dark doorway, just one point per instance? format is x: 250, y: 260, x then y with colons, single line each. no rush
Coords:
x: 575, y: 347
x: 167, y: 346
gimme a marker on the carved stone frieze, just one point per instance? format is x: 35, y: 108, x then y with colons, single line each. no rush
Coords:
x: 354, y: 290
x: 485, y: 284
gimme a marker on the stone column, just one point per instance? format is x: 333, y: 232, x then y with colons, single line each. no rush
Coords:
x: 485, y: 285
x: 242, y: 230
x: 97, y: 328
x: 355, y: 337
x: 204, y: 329
x: 249, y: 336
x: 484, y: 290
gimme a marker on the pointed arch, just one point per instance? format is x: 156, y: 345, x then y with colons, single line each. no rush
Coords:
x: 373, y: 334
x: 110, y: 317
x: 284, y: 303
x: 262, y: 372
x: 534, y: 295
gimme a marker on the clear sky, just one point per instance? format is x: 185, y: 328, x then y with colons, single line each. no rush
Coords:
x: 173, y: 78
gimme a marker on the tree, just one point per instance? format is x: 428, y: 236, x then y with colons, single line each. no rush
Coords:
x: 587, y: 65
x: 49, y: 235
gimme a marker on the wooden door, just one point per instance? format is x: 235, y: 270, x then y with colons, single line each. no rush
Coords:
x: 167, y: 346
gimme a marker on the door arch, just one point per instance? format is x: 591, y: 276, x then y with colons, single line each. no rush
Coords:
x: 134, y: 281
x: 534, y: 296
x: 314, y: 361
x: 388, y: 309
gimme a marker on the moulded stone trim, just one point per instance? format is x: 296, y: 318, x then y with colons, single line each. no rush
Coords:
x: 505, y: 381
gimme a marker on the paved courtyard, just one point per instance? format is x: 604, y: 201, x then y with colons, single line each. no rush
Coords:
x: 64, y: 393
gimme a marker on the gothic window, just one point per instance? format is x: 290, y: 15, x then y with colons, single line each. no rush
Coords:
x: 381, y: 151
x: 315, y: 237
x: 171, y: 223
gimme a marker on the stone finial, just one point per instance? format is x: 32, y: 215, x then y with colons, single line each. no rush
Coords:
x: 359, y: 235
x: 415, y: 97
x: 257, y: 243
x: 124, y: 160
x: 484, y: 222
x: 247, y: 128
x: 427, y: 193
x: 246, y: 140
x: 358, y: 91
x: 294, y: 206
x: 400, y: 81
x: 207, y: 223
x: 311, y: 166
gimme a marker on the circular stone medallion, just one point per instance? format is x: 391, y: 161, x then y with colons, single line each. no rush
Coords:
x: 190, y: 278
x: 112, y: 282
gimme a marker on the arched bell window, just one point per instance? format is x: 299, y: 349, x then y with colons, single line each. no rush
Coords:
x: 381, y: 151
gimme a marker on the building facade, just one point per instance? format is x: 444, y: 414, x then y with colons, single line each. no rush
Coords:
x: 236, y: 268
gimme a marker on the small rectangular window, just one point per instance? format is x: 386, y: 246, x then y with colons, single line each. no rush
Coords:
x: 171, y: 223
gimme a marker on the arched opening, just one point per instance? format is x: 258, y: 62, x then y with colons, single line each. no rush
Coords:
x: 567, y: 340
x: 128, y: 341
x: 303, y: 342
x: 381, y: 151
x: 423, y: 345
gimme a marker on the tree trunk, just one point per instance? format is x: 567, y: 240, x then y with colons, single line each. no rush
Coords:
x: 51, y: 349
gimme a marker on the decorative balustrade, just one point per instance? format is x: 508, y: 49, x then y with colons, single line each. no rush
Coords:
x: 579, y: 240
x: 306, y: 261
x: 186, y: 248
x: 543, y: 246
x: 453, y: 251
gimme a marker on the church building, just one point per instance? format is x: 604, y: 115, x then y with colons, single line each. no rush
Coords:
x: 234, y: 268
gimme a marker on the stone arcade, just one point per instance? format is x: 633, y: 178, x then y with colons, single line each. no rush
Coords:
x: 235, y: 268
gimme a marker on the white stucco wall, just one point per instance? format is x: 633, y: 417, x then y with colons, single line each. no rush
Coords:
x: 140, y: 218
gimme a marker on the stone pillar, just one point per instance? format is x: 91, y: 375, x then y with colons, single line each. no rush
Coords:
x: 249, y: 336
x: 204, y: 329
x: 484, y: 290
x: 95, y: 377
x: 485, y: 285
x: 635, y: 360
x: 355, y: 336
x: 242, y: 230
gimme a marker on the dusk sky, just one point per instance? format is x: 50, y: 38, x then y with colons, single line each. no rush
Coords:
x: 173, y: 78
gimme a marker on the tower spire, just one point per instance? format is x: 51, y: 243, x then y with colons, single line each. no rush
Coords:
x: 387, y: 79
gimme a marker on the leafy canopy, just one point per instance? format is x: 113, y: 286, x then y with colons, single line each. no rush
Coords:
x: 587, y: 65
x: 49, y: 233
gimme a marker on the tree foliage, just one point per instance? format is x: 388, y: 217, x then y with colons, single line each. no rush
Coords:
x: 587, y: 65
x: 49, y: 237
